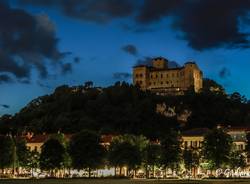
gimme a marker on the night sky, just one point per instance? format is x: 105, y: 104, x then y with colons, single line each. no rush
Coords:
x: 47, y: 43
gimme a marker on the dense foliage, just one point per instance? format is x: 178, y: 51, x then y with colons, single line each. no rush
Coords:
x: 217, y: 147
x: 52, y: 155
x: 123, y: 108
x: 85, y: 151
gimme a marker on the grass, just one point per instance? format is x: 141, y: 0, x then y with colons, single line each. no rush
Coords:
x: 123, y: 181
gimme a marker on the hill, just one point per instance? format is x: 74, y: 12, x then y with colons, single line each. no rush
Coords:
x: 123, y: 108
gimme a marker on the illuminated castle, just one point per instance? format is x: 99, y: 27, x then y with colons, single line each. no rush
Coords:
x: 162, y: 80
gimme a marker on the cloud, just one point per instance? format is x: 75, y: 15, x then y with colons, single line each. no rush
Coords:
x: 122, y: 76
x: 27, y: 42
x: 90, y: 10
x: 5, y: 106
x: 154, y: 10
x: 77, y: 59
x: 5, y: 78
x: 66, y: 68
x: 224, y: 73
x: 130, y: 49
x: 203, y: 24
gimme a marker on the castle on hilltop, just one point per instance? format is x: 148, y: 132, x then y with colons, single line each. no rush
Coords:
x: 162, y: 80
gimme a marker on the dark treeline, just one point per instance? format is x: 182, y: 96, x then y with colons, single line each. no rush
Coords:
x: 123, y: 108
x: 84, y: 152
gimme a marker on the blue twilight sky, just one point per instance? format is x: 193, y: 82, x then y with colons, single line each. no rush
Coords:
x: 102, y: 40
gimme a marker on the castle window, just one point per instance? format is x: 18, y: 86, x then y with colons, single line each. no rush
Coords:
x: 149, y: 83
x: 141, y: 75
x: 167, y: 82
x: 151, y: 76
x: 156, y: 76
x: 161, y: 82
x: 136, y: 75
x: 161, y: 76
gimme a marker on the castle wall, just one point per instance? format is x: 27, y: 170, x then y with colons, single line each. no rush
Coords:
x: 163, y: 80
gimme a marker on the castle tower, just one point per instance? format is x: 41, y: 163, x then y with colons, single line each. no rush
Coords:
x: 160, y: 63
x: 140, y: 76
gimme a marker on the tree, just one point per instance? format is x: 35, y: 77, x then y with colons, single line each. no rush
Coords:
x: 21, y: 152
x: 123, y: 152
x: 217, y: 147
x: 52, y: 155
x: 88, y: 84
x: 237, y: 159
x: 33, y: 161
x: 151, y: 157
x: 67, y: 160
x: 6, y: 152
x: 85, y: 151
x: 236, y: 97
x: 212, y: 86
x: 248, y: 145
x: 171, y: 150
x: 191, y: 160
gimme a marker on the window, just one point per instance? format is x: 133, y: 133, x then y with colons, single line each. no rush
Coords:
x: 167, y: 75
x: 161, y: 83
x: 141, y: 75
x: 161, y: 76
x: 156, y: 76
